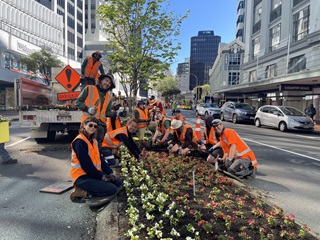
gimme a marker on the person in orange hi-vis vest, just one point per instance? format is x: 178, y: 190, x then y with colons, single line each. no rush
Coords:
x: 89, y: 69
x: 178, y: 116
x: 184, y: 138
x: 114, y: 139
x: 163, y: 132
x: 141, y: 114
x: 95, y: 101
x: 211, y: 138
x: 153, y: 105
x: 238, y: 158
x: 93, y: 177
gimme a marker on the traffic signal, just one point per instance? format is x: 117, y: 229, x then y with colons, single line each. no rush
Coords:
x: 199, y: 92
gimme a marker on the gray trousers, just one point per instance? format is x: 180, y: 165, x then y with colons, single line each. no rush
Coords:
x: 239, y: 167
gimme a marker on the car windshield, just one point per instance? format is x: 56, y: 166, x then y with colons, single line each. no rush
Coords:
x: 211, y: 105
x: 290, y: 111
x: 243, y: 106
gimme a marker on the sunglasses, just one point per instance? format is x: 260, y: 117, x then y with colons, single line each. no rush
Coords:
x: 93, y: 125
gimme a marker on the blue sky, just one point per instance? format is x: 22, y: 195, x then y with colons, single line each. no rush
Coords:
x: 217, y: 15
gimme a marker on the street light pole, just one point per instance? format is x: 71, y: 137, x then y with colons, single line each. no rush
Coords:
x: 196, y: 78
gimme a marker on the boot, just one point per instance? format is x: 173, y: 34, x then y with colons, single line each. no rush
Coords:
x: 78, y: 194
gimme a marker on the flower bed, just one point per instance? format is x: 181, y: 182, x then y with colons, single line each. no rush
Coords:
x: 170, y: 197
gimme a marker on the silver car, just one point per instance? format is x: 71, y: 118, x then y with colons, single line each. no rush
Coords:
x: 283, y: 118
x: 205, y: 109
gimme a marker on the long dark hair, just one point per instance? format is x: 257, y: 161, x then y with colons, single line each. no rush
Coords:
x: 83, y: 130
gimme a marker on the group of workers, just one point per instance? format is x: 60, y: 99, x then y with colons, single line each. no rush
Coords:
x: 92, y: 149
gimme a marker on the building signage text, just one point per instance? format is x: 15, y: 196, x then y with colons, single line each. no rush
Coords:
x: 295, y: 87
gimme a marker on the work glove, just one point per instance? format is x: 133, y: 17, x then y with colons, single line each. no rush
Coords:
x: 92, y: 110
x: 109, y: 178
x: 112, y: 177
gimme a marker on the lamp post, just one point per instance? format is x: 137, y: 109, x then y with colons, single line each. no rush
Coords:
x: 196, y: 85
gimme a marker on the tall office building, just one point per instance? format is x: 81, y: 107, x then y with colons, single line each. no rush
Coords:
x: 72, y: 12
x: 240, y: 20
x: 183, y: 76
x: 203, y: 52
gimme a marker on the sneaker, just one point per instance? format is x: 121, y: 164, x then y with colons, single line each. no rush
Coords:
x: 78, y: 195
x: 253, y: 173
x: 10, y: 161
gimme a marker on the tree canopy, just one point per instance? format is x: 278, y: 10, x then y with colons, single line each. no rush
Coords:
x: 40, y: 63
x: 142, y: 36
x: 168, y: 87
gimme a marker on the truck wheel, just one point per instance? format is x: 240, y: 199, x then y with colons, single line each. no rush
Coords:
x: 40, y: 140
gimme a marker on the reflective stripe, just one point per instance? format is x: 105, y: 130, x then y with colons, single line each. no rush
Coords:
x: 109, y: 157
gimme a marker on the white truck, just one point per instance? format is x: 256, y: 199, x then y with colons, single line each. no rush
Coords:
x: 48, y: 109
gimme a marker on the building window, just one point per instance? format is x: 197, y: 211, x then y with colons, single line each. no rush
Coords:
x: 297, y: 64
x: 233, y: 78
x: 275, y: 9
x: 256, y: 46
x: 252, y: 75
x: 234, y: 59
x: 240, y: 5
x: 271, y: 71
x: 296, y: 2
x: 301, y: 24
x: 257, y: 12
x: 275, y: 37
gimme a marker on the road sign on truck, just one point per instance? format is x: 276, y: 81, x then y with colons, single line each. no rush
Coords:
x: 49, y: 109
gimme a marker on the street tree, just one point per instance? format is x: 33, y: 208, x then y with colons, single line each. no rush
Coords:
x: 168, y: 87
x: 142, y: 40
x: 40, y: 64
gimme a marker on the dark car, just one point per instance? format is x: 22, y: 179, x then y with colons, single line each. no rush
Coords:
x: 237, y: 112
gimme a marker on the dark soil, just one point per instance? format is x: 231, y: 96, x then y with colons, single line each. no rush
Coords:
x: 220, y: 209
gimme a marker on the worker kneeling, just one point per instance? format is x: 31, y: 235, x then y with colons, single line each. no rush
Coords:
x: 238, y: 158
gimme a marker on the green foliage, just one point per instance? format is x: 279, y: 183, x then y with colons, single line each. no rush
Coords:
x: 167, y: 86
x: 41, y: 63
x: 142, y: 40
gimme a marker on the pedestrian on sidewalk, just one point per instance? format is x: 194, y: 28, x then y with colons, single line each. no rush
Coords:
x: 5, y: 157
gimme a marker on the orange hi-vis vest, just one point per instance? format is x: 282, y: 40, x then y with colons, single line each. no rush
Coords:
x: 110, y: 140
x: 229, y: 137
x: 161, y: 125
x: 211, y: 138
x: 93, y: 100
x: 109, y: 124
x: 91, y: 69
x: 143, y: 115
x: 93, y: 152
x: 183, y: 134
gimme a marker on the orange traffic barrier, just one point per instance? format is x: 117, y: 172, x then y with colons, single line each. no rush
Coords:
x: 198, y: 129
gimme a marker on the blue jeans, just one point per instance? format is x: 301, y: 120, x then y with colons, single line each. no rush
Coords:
x: 98, y: 188
x: 3, y: 153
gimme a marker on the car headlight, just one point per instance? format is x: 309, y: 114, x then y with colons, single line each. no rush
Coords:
x: 292, y: 120
x: 240, y: 112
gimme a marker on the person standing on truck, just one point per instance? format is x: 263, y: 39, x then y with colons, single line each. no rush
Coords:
x: 95, y: 101
x: 89, y: 69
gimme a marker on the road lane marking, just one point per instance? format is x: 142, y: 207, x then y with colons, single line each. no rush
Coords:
x: 305, y: 136
x: 270, y: 146
x: 15, y: 143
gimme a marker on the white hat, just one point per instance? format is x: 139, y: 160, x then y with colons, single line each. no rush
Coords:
x: 216, y: 122
x: 175, y: 124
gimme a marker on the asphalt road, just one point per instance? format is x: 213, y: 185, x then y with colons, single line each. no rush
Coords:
x: 288, y: 175
x: 289, y: 170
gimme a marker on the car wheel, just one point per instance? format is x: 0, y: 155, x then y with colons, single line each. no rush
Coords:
x: 234, y: 118
x: 221, y: 117
x: 282, y: 126
x: 197, y: 114
x: 257, y: 122
x: 206, y: 113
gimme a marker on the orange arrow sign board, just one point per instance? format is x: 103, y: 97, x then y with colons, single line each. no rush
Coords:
x: 68, y: 96
x: 68, y: 78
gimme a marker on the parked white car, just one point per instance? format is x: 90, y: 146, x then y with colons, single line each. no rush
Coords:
x: 206, y: 109
x: 283, y: 118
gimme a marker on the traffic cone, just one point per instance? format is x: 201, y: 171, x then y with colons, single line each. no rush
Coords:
x: 198, y: 129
